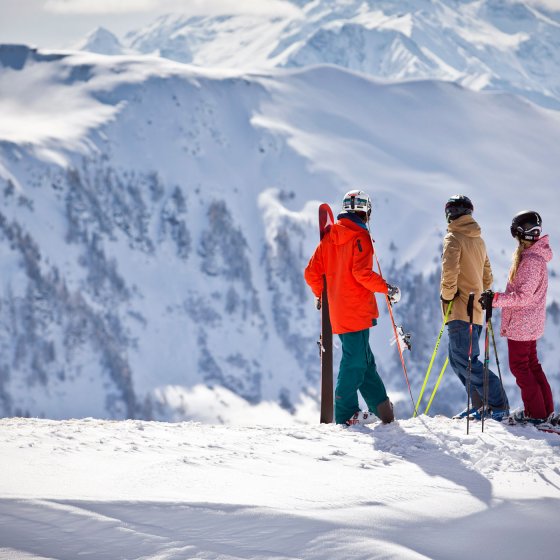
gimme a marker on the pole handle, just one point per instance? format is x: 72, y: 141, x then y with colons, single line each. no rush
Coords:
x: 470, y: 307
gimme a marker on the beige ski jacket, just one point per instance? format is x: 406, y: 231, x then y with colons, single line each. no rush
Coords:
x: 465, y: 268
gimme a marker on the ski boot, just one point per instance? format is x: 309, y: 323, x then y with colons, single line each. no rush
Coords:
x: 473, y: 413
x: 361, y: 418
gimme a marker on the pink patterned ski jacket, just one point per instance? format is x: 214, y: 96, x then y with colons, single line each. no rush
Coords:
x: 524, y: 301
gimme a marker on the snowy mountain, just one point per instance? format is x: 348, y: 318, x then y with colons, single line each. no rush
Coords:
x: 101, y: 41
x: 156, y: 218
x: 414, y: 490
x: 496, y: 45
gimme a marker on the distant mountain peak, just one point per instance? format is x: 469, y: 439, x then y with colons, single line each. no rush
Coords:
x: 101, y: 41
x: 496, y: 45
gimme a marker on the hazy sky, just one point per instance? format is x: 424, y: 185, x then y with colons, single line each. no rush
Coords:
x: 61, y: 23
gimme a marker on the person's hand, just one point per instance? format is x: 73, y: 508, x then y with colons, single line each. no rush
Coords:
x: 318, y: 302
x: 393, y: 293
x: 448, y: 301
x: 486, y: 299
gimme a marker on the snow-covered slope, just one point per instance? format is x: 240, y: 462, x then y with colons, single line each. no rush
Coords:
x: 414, y: 490
x: 156, y: 218
x: 498, y: 45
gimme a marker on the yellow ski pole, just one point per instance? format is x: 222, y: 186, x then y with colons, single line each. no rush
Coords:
x: 433, y: 358
x: 437, y: 384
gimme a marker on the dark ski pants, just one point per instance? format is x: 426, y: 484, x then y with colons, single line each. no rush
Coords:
x: 458, y: 333
x: 530, y: 377
x: 357, y: 373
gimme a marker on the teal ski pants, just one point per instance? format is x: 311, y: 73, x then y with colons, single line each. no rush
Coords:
x: 357, y: 373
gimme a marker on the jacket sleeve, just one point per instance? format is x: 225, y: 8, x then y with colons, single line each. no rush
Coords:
x: 314, y: 271
x: 529, y: 276
x: 450, y: 267
x: 362, y: 266
x: 487, y: 276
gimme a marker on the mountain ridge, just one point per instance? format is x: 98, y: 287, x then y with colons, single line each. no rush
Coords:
x: 157, y: 224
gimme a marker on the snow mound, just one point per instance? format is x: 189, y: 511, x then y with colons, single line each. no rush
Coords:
x: 414, y: 489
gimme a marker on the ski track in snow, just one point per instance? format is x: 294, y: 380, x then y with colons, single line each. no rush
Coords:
x: 415, y: 489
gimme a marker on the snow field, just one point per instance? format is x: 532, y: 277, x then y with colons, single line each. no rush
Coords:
x: 414, y: 489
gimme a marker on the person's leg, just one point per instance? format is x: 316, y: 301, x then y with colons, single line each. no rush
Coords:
x: 531, y: 393
x: 459, y: 343
x: 497, y: 398
x: 540, y: 377
x: 353, y: 366
x: 458, y: 351
x: 372, y: 388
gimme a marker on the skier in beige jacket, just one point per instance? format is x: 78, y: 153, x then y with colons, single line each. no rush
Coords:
x: 465, y: 269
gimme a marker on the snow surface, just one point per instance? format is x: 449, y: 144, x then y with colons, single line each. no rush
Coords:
x: 415, y: 489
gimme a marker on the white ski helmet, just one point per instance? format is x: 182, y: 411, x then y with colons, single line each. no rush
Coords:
x: 356, y: 201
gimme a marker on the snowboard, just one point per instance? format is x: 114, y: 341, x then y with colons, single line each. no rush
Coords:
x: 326, y: 220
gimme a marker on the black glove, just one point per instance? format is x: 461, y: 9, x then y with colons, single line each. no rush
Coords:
x: 318, y: 302
x: 448, y: 301
x: 486, y: 299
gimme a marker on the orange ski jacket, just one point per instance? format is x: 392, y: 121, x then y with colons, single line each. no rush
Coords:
x: 345, y: 256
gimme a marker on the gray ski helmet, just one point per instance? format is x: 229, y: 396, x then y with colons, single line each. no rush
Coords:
x: 458, y: 205
x: 356, y: 201
x: 526, y: 225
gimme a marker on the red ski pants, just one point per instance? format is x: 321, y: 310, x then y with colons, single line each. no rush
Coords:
x: 530, y: 377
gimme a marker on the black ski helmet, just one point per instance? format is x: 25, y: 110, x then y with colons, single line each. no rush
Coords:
x: 458, y: 205
x: 526, y: 225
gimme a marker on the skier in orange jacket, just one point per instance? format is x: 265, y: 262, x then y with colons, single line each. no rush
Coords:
x: 345, y: 256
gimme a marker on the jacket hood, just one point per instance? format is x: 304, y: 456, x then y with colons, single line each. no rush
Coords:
x: 465, y: 225
x: 540, y: 248
x: 345, y: 230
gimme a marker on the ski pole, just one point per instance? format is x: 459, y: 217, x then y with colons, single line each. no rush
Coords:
x: 504, y: 397
x: 485, y: 374
x: 445, y: 364
x: 449, y: 306
x: 485, y: 371
x: 390, y: 308
x: 470, y: 311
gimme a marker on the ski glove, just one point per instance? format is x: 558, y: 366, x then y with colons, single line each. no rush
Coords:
x: 486, y: 299
x: 393, y: 293
x: 448, y: 301
x: 318, y: 302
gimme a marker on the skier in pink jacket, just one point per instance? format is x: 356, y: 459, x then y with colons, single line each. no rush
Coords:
x: 523, y: 316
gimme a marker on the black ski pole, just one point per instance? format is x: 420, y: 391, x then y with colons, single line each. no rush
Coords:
x: 504, y: 398
x: 485, y: 375
x: 470, y: 311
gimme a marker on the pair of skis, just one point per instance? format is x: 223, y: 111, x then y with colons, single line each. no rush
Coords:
x: 401, y: 339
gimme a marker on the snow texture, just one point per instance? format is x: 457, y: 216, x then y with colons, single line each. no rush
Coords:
x: 414, y: 489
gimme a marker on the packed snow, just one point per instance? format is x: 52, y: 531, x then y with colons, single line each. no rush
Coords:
x: 414, y: 489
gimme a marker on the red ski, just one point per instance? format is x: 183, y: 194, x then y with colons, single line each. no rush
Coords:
x: 326, y: 220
